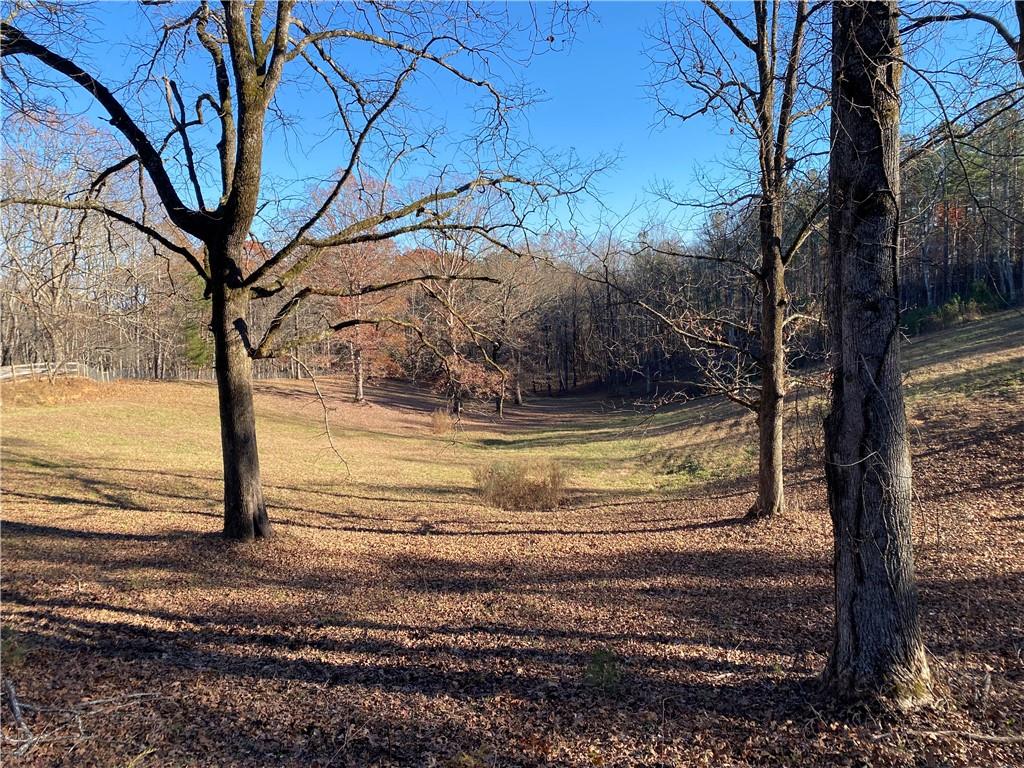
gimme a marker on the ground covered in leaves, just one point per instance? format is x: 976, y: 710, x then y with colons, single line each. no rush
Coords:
x: 397, y: 620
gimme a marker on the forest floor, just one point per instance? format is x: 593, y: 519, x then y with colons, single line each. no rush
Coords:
x: 397, y: 620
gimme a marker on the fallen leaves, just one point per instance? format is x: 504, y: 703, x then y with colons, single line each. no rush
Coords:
x: 372, y: 633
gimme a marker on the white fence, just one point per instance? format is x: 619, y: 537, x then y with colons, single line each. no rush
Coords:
x: 49, y: 370
x: 98, y: 373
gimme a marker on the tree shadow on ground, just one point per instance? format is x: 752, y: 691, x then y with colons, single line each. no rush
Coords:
x: 536, y: 659
x: 713, y: 638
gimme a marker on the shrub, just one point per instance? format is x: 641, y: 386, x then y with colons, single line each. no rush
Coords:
x: 917, y: 320
x: 604, y: 669
x: 981, y: 296
x: 521, y: 484
x: 952, y: 311
x: 687, y: 465
x: 441, y: 422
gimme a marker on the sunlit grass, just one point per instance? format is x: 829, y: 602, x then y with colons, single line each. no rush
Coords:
x: 171, y: 431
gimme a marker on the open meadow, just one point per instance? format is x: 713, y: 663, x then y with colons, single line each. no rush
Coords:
x: 396, y: 619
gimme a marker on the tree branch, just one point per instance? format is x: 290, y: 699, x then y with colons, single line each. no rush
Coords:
x: 15, y: 42
x: 95, y: 205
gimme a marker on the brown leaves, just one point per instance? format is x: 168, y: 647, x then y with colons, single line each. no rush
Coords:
x: 396, y: 630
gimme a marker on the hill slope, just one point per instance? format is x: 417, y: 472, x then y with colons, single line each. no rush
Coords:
x: 396, y: 620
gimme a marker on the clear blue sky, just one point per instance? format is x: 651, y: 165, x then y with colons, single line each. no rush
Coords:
x: 598, y: 102
x: 595, y: 101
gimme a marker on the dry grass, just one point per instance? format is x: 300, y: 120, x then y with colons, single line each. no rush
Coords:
x: 521, y: 485
x: 396, y: 620
x: 441, y: 421
x: 62, y: 390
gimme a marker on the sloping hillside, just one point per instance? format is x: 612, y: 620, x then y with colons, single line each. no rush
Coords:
x: 397, y: 620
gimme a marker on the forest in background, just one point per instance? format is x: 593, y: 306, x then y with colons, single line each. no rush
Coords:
x: 630, y: 315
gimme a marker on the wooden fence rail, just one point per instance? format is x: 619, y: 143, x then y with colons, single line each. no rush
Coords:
x: 114, y: 373
x: 49, y: 370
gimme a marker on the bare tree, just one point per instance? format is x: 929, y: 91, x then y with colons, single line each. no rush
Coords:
x: 763, y: 91
x: 351, y: 271
x: 216, y: 193
x: 976, y: 99
x: 877, y: 651
x: 71, y: 282
x: 449, y: 319
x: 513, y: 311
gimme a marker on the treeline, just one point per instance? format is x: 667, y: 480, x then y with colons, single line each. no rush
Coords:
x: 632, y: 316
x: 648, y: 310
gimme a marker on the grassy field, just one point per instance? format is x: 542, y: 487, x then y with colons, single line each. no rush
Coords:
x: 396, y: 619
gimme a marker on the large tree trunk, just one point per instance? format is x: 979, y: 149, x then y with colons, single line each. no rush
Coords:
x: 245, y: 514
x: 877, y: 651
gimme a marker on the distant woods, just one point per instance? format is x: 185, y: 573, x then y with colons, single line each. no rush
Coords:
x: 586, y: 314
x: 630, y: 315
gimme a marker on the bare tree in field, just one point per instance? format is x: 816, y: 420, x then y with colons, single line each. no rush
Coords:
x: 877, y: 651
x: 202, y: 147
x: 514, y: 305
x: 350, y: 270
x: 449, y: 319
x: 757, y: 82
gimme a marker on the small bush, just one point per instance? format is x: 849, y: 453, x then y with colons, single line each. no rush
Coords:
x: 686, y: 465
x: 952, y: 311
x: 918, y: 320
x: 604, y: 669
x: 12, y: 649
x: 950, y: 314
x: 521, y: 484
x: 981, y: 296
x: 441, y: 422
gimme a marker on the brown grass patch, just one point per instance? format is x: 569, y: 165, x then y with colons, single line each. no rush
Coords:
x: 41, y: 391
x: 521, y: 485
x: 441, y: 422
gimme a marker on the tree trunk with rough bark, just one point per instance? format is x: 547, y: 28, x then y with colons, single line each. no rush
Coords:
x: 877, y: 653
x: 245, y: 513
x: 771, y: 499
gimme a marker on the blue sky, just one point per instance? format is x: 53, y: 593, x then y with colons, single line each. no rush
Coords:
x: 595, y: 102
x: 598, y: 102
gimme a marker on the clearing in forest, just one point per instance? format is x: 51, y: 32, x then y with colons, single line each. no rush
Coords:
x: 396, y: 619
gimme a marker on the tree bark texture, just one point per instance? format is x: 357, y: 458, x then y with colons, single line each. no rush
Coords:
x: 245, y: 513
x: 771, y: 499
x: 877, y: 651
